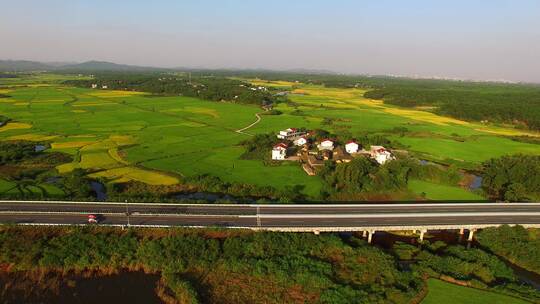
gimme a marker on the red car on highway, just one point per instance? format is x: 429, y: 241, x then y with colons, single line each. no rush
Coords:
x: 93, y: 219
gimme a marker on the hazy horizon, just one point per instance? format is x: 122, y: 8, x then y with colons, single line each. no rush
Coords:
x: 496, y: 40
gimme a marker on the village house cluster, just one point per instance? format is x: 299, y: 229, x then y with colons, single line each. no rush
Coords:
x: 298, y: 145
x: 95, y: 86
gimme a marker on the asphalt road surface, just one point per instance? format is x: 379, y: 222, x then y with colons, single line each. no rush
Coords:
x: 272, y: 216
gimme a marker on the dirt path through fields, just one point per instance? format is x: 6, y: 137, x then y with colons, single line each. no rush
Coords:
x: 241, y: 131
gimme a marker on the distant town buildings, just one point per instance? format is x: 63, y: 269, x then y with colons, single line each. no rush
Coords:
x: 94, y: 85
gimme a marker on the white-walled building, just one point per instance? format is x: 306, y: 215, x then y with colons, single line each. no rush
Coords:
x: 279, y: 152
x: 326, y: 144
x: 290, y: 133
x: 301, y: 141
x: 94, y: 85
x: 380, y: 154
x: 351, y: 147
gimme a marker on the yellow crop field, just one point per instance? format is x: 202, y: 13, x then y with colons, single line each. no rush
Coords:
x: 132, y: 173
x: 64, y: 168
x: 50, y: 100
x: 424, y: 116
x: 70, y: 144
x: 100, y: 160
x: 113, y: 153
x: 79, y: 111
x: 273, y: 83
x: 33, y: 137
x: 443, y: 120
x: 93, y: 104
x: 122, y: 140
x: 21, y: 103
x: 113, y: 94
x: 15, y: 126
x: 507, y: 131
x: 99, y: 145
x: 329, y: 92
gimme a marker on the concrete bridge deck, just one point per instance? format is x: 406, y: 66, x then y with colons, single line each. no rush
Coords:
x: 286, y: 218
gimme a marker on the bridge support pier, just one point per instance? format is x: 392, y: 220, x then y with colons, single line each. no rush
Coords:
x: 461, y: 231
x: 364, y: 234
x: 316, y: 232
x: 422, y: 232
x: 370, y: 236
x: 471, y: 235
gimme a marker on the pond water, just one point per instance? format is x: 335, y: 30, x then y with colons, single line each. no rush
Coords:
x: 99, y: 189
x: 53, y: 179
x: 125, y: 287
x: 476, y: 182
x: 39, y: 148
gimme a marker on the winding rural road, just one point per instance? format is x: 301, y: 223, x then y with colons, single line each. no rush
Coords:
x: 241, y: 131
x: 314, y: 218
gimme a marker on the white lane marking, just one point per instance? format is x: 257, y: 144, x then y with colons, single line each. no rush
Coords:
x: 387, y: 215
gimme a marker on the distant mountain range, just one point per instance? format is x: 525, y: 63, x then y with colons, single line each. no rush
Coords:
x: 91, y: 66
x: 27, y: 66
x: 104, y: 66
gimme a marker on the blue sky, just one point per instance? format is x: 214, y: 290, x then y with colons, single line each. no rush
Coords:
x: 476, y: 39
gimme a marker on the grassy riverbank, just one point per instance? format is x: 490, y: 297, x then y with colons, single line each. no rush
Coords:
x: 440, y: 292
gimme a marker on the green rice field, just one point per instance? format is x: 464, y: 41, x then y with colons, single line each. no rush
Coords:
x: 434, y: 191
x: 123, y: 136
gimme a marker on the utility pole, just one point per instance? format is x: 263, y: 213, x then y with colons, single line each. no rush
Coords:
x: 127, y: 212
x: 258, y: 217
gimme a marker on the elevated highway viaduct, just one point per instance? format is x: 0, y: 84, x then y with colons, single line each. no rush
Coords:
x: 316, y: 218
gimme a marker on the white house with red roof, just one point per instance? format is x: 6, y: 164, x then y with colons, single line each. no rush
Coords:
x: 279, y: 152
x: 301, y: 141
x: 290, y: 133
x: 351, y: 147
x: 380, y: 154
x: 326, y: 144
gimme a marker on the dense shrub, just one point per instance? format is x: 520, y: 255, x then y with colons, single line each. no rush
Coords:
x: 512, y: 178
x: 517, y: 244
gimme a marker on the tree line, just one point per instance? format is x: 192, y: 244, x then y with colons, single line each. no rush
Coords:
x: 512, y: 178
x: 205, y: 87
